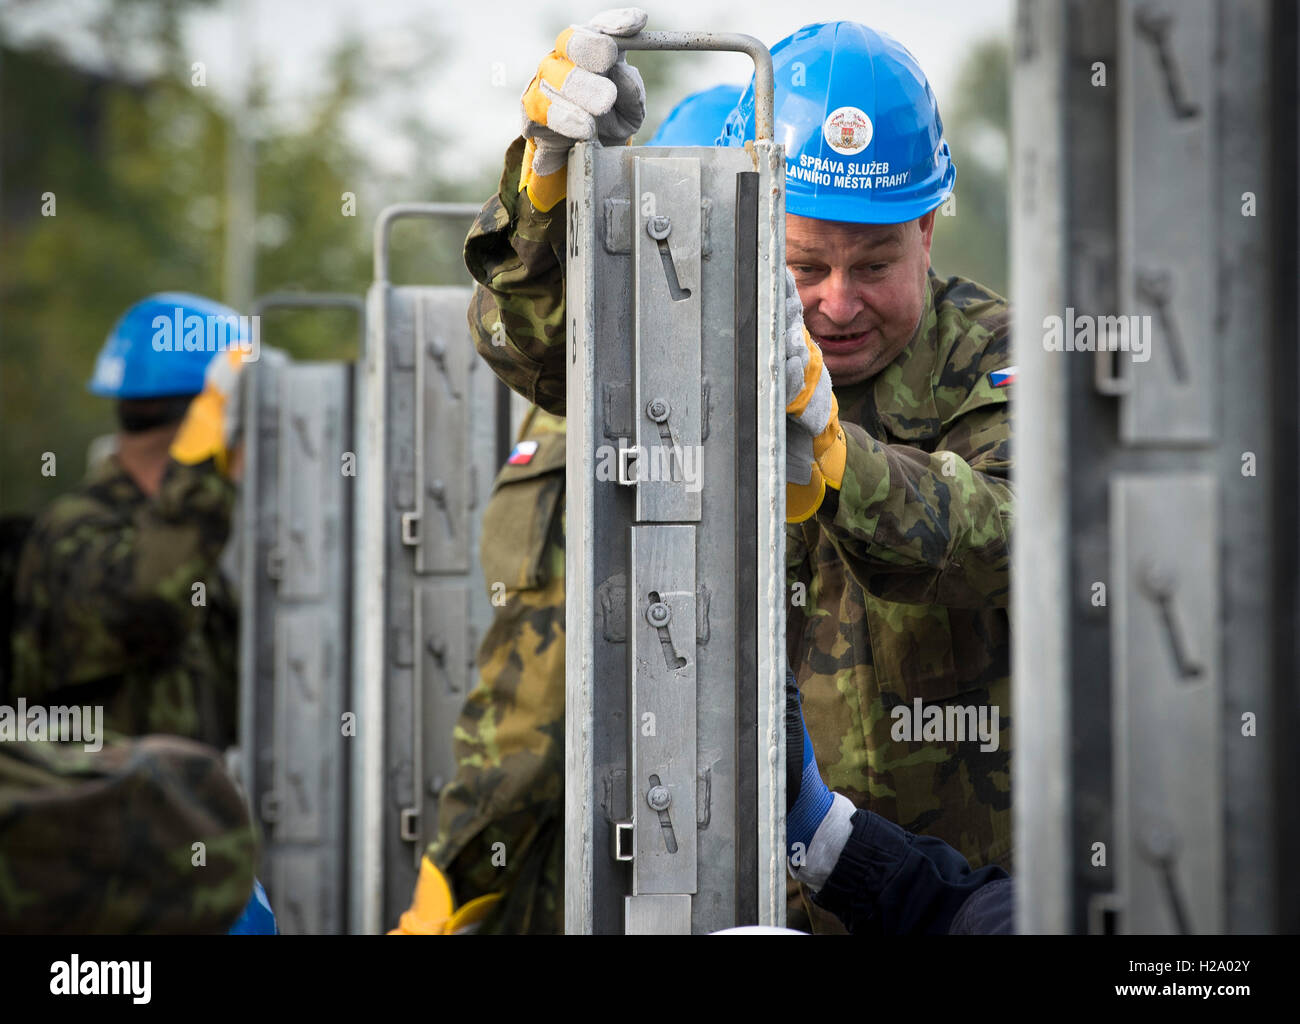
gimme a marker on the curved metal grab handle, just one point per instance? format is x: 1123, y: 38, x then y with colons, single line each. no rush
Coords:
x: 315, y: 300
x: 398, y: 211
x: 726, y: 42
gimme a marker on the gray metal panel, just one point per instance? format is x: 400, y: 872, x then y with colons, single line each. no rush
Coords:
x: 667, y: 317
x: 769, y: 518
x: 603, y: 364
x: 302, y: 770
x: 661, y: 646
x: 295, y: 620
x: 657, y: 915
x: 1168, y: 136
x: 584, y: 826
x: 1041, y: 779
x: 443, y: 485
x: 429, y: 423
x: 1167, y: 703
x: 296, y: 881
x: 1093, y: 170
x: 442, y: 676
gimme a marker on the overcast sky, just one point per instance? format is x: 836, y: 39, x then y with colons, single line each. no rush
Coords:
x: 500, y: 41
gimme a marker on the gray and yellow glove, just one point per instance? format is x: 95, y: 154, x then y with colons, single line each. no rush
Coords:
x: 212, y: 421
x: 815, y: 449
x: 584, y: 89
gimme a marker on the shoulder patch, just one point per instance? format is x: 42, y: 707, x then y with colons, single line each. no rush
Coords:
x: 1001, y: 378
x: 522, y: 453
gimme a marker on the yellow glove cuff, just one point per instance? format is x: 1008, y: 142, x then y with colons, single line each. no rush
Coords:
x: 803, y: 500
x: 431, y: 911
x: 544, y: 190
x: 202, y: 433
x: 830, y: 449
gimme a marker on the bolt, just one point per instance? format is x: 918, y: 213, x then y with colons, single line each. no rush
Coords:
x: 658, y: 798
x: 658, y: 614
x: 658, y: 227
x: 657, y: 410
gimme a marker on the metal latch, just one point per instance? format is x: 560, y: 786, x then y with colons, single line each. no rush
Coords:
x: 411, y: 529
x: 627, y: 456
x: 410, y: 824
x: 624, y: 840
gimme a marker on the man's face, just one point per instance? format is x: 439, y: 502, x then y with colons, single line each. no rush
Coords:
x: 862, y: 287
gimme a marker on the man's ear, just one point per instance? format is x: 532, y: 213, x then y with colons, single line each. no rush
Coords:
x: 926, y: 224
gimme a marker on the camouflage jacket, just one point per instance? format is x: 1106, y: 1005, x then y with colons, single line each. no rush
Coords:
x: 107, y: 609
x: 104, y: 842
x: 905, y: 580
x: 509, y: 741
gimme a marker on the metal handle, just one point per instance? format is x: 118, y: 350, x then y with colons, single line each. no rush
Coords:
x: 398, y: 211
x: 727, y: 42
x: 315, y: 300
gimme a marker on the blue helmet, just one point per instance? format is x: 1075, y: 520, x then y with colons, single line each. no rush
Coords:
x: 698, y: 119
x: 146, y: 355
x: 258, y: 918
x: 861, y: 128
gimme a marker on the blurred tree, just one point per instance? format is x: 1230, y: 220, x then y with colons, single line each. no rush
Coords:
x: 136, y: 166
x: 972, y: 241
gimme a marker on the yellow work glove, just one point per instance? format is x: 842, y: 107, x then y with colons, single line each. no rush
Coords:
x: 584, y: 89
x: 815, y: 449
x: 212, y: 420
x: 432, y: 910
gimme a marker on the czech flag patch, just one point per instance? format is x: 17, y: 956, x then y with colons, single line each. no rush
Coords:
x: 522, y: 453
x: 1001, y: 378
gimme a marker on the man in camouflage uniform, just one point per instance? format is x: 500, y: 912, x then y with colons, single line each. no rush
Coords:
x: 119, y: 599
x: 103, y: 842
x: 509, y: 740
x: 899, y: 545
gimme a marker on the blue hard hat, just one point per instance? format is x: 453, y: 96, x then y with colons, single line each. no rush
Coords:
x: 698, y: 119
x: 258, y: 918
x: 157, y: 348
x: 860, y: 125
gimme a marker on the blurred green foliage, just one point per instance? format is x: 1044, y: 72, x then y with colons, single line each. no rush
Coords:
x: 977, y: 124
x: 137, y: 169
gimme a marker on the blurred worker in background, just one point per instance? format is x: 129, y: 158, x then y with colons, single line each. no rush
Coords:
x: 119, y: 600
x: 144, y: 836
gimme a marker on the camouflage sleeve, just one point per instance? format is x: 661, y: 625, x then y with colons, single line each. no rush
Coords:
x: 516, y: 316
x: 123, y: 593
x: 501, y: 819
x: 143, y: 836
x: 930, y: 528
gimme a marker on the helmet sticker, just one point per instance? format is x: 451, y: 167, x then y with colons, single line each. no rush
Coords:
x: 109, y: 371
x: 848, y: 130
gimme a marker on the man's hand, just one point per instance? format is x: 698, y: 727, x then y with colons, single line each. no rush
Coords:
x: 584, y: 89
x: 815, y: 445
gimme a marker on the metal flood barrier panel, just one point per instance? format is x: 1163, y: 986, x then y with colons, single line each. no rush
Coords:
x: 1155, y: 687
x: 431, y: 423
x: 675, y: 625
x: 295, y: 624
